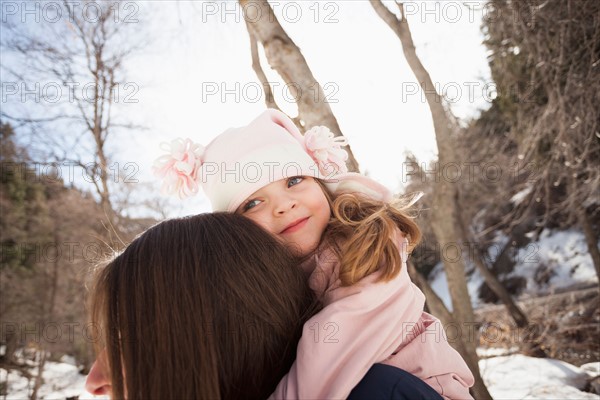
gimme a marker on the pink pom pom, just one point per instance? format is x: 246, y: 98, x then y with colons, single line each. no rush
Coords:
x: 180, y: 167
x: 326, y: 150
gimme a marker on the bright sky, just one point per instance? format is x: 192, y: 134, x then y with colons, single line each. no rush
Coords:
x: 196, y: 78
x: 206, y: 83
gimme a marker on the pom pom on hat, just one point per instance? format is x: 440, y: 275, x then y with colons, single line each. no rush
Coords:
x: 326, y: 149
x: 179, y: 167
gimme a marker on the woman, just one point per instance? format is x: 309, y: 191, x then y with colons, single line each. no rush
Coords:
x: 200, y: 307
x: 209, y: 306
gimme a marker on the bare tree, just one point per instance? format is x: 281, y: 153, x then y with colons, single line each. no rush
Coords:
x: 63, y: 77
x: 445, y: 209
x: 75, y: 66
x: 286, y: 58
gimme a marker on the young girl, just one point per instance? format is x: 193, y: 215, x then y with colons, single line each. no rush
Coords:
x: 354, y: 243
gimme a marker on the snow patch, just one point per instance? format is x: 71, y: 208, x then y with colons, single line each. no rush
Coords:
x: 520, y: 196
x: 561, y: 255
x: 558, y: 259
x: 495, y: 351
x: 521, y: 377
x: 593, y: 368
x: 60, y: 381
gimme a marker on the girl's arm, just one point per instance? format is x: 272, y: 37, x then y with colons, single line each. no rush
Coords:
x: 359, y: 326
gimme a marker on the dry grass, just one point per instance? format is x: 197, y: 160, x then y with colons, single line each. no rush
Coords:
x: 563, y: 326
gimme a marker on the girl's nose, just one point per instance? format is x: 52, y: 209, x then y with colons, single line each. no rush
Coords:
x: 285, y: 204
x: 98, y: 381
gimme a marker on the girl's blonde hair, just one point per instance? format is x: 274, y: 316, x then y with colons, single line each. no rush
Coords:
x: 361, y: 232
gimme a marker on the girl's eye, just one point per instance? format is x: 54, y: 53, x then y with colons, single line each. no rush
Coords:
x: 294, y: 181
x: 250, y: 204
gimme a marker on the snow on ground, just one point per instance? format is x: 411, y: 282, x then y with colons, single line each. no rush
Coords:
x: 564, y: 253
x: 507, y: 377
x: 61, y: 380
x: 520, y: 196
x: 488, y: 352
x: 521, y: 377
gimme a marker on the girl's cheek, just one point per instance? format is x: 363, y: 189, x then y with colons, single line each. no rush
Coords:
x: 261, y: 222
x: 252, y: 216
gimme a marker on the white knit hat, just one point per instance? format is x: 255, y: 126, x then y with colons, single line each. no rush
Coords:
x: 241, y: 161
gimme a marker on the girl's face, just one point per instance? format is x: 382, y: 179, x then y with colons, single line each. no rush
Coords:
x: 294, y: 209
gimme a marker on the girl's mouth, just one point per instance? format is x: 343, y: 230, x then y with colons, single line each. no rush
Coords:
x: 296, y: 225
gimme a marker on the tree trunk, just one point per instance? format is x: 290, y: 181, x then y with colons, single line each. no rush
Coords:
x: 434, y: 302
x: 490, y: 278
x: 12, y: 344
x: 437, y: 306
x: 285, y: 58
x: 445, y: 198
x: 494, y: 284
x: 445, y: 229
x: 591, y: 237
x: 258, y: 70
x: 47, y: 318
x: 39, y: 380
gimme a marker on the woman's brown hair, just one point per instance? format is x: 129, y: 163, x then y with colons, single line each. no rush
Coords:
x: 209, y: 306
x: 361, y: 232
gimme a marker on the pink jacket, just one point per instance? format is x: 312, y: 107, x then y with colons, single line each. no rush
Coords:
x: 367, y: 323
